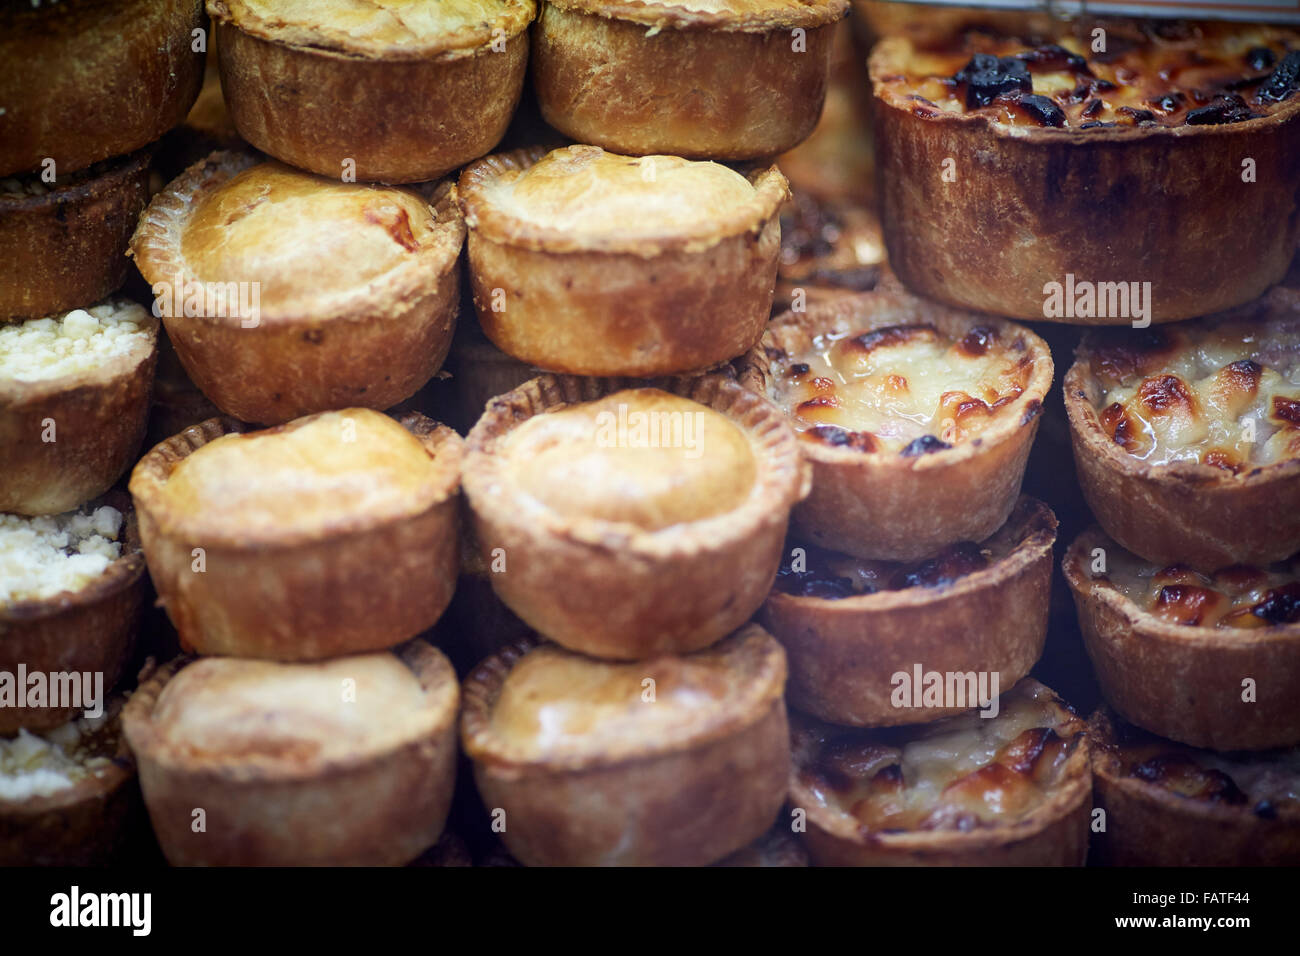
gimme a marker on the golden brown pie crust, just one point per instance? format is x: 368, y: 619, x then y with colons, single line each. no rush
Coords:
x: 362, y: 587
x: 644, y: 592
x: 1185, y: 682
x: 843, y: 652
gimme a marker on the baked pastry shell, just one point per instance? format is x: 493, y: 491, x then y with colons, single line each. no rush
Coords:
x: 1184, y: 682
x: 635, y: 307
x: 112, y: 78
x: 99, y: 418
x: 399, y: 118
x: 1147, y: 825
x: 843, y: 652
x: 1128, y: 204
x: 641, y: 80
x: 92, y: 629
x: 599, y: 589
x: 363, y: 586
x: 885, y: 505
x: 685, y: 804
x: 373, y: 349
x: 69, y: 245
x: 381, y: 808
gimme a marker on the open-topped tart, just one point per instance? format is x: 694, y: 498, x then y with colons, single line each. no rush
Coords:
x: 829, y: 250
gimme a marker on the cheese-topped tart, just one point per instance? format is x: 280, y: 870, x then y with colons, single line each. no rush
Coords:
x: 271, y: 751
x: 917, y: 419
x: 338, y: 532
x: 672, y: 760
x: 1232, y: 636
x: 595, y: 263
x: 966, y: 790
x: 1171, y: 805
x: 1186, y: 437
x: 665, y: 506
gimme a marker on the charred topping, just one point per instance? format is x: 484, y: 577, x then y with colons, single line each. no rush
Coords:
x: 809, y: 229
x: 976, y: 342
x: 1042, y: 110
x: 1282, y: 82
x: 1138, y: 115
x: 955, y: 561
x: 1180, y: 774
x: 798, y: 370
x: 1260, y: 58
x: 923, y: 446
x: 839, y: 437
x: 1092, y: 108
x: 986, y: 77
x: 1160, y: 393
x: 821, y: 581
x: 1225, y: 108
x: 889, y: 335
x: 1286, y: 410
x: 1051, y: 56
x: 1169, y: 102
x: 1280, y: 605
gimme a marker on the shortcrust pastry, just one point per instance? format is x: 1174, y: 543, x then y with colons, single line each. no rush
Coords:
x: 670, y: 761
x: 965, y: 791
x: 344, y: 762
x: 1170, y: 805
x: 1207, y: 659
x: 627, y: 519
x: 850, y: 626
x: 917, y: 419
x: 1124, y: 168
x: 333, y: 534
x: 721, y: 79
x: 591, y: 263
x: 286, y: 293
x: 1186, y: 438
x: 397, y: 91
x: 74, y: 402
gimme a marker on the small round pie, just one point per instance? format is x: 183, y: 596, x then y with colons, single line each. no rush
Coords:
x: 347, y: 762
x: 286, y: 293
x: 830, y: 250
x: 334, y: 534
x: 1171, y: 805
x: 629, y: 519
x: 917, y: 418
x: 71, y: 589
x: 723, y: 79
x: 671, y: 761
x: 1207, y: 659
x: 1187, y: 438
x: 850, y: 626
x: 591, y: 263
x: 396, y: 91
x: 74, y: 403
x: 1009, y: 790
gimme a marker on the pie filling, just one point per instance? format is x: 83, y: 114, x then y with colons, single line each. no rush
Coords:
x: 827, y: 244
x: 33, y: 765
x: 960, y: 773
x: 829, y: 574
x: 44, y: 556
x: 1227, y: 396
x: 641, y: 457
x: 73, y: 342
x: 906, y: 389
x: 1149, y: 74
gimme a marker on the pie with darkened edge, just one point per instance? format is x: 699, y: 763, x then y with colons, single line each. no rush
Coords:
x: 591, y: 263
x: 917, y: 419
x: 1166, y: 166
x: 1230, y: 638
x: 1171, y: 805
x: 632, y: 518
x: 346, y: 762
x: 669, y: 761
x: 395, y: 91
x: 850, y: 625
x: 286, y: 293
x: 719, y: 79
x: 1008, y: 790
x: 1187, y: 438
x: 334, y: 534
x: 74, y: 403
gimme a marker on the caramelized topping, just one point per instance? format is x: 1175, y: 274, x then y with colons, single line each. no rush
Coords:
x: 828, y: 574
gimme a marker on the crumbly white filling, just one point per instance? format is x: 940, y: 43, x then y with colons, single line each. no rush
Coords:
x: 39, y: 766
x: 73, y: 342
x: 42, y: 556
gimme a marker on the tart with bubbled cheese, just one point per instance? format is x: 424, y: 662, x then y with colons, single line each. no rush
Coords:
x: 1008, y: 166
x: 334, y: 534
x: 630, y: 518
x: 345, y: 762
x: 1171, y: 805
x: 969, y: 790
x: 917, y: 419
x: 1187, y: 438
x: 850, y: 625
x: 1211, y: 659
x: 74, y: 403
x: 668, y: 761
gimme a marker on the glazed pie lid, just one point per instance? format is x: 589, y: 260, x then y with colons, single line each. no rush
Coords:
x: 536, y: 706
x: 382, y: 29
x: 750, y: 16
x: 584, y: 199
